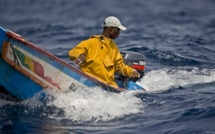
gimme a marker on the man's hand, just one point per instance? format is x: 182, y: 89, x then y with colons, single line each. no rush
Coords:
x: 80, y: 59
x: 135, y: 74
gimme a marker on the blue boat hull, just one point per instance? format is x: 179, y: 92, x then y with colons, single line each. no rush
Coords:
x: 26, y: 69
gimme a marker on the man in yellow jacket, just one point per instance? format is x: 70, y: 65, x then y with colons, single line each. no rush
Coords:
x: 99, y: 55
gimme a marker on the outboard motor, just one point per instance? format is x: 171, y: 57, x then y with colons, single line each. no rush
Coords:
x: 134, y: 60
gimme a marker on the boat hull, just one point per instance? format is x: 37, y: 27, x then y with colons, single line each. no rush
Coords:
x: 26, y: 69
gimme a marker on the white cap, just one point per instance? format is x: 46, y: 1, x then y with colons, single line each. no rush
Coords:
x: 112, y: 21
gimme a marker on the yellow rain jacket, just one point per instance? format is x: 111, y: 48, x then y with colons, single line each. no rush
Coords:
x: 103, y: 58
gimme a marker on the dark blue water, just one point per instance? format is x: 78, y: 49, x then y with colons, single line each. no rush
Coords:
x: 177, y: 38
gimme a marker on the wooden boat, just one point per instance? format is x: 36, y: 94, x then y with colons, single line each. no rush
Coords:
x: 26, y: 69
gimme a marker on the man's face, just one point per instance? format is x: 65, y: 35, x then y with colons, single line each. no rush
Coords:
x: 114, y: 32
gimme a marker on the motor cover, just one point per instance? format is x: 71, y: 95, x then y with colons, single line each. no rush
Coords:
x: 134, y: 60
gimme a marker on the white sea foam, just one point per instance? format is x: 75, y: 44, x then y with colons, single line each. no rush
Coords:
x: 164, y: 79
x: 94, y: 104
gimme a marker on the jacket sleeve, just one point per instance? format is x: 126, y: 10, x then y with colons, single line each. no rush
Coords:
x: 120, y: 66
x: 81, y: 48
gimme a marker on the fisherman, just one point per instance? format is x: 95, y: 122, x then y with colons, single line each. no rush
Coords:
x: 99, y: 55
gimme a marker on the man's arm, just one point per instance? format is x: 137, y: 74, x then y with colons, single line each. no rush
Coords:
x: 78, y: 53
x: 78, y: 61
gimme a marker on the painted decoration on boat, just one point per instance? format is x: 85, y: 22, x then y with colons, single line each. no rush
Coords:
x: 36, y: 68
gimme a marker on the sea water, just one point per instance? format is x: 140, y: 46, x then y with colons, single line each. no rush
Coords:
x: 177, y: 38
